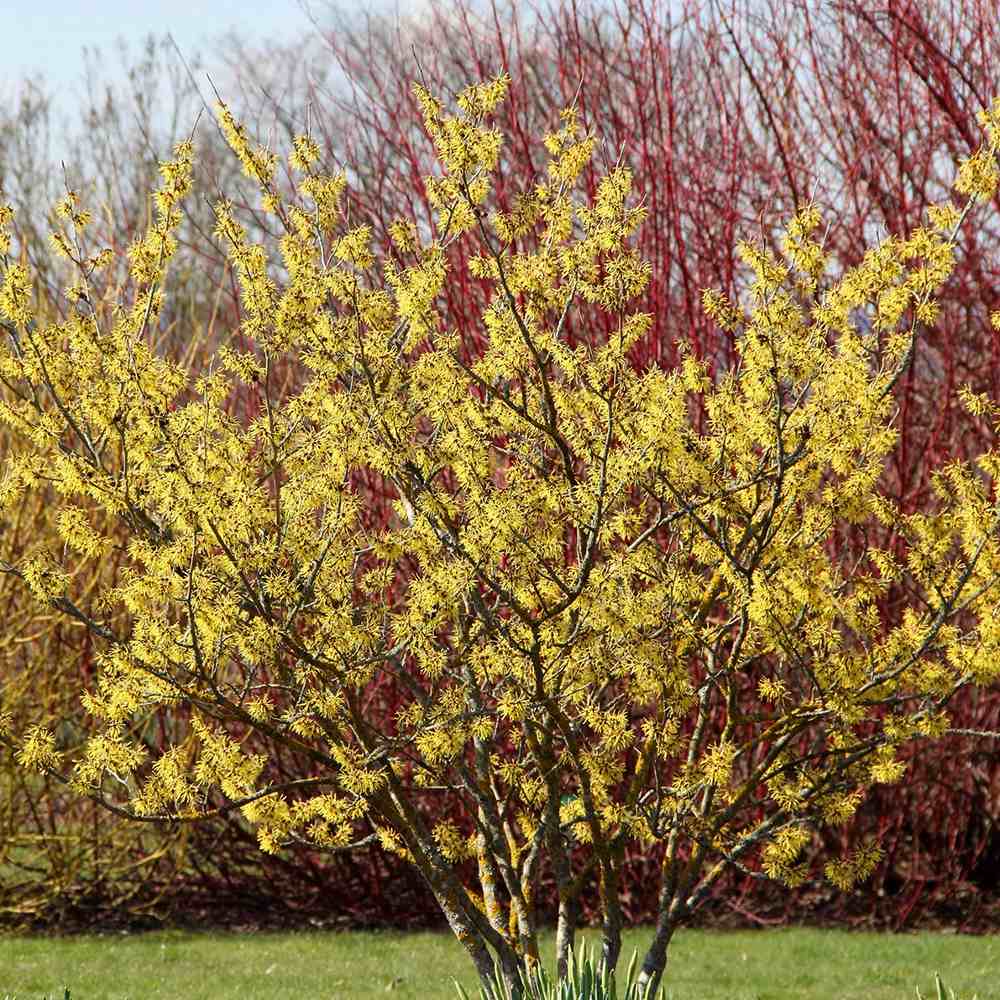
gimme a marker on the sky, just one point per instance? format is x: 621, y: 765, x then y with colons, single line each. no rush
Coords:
x: 48, y: 36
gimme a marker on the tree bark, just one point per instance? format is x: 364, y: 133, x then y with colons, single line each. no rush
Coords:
x: 565, y: 933
x: 655, y: 961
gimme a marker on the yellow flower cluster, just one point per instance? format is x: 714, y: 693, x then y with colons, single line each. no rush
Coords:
x: 610, y: 599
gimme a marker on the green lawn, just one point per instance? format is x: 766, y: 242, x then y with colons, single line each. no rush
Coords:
x: 705, y: 965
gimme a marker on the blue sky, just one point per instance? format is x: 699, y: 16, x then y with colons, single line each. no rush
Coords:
x: 48, y: 36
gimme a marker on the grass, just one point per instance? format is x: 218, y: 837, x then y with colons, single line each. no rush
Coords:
x: 795, y: 964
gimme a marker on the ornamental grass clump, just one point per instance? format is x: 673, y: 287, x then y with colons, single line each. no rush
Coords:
x: 586, y: 978
x: 614, y: 599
